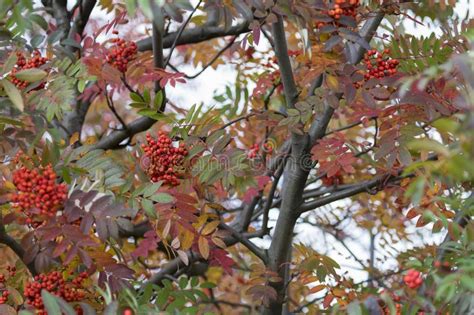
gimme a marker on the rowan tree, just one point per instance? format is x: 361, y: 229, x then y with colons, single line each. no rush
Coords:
x: 333, y: 174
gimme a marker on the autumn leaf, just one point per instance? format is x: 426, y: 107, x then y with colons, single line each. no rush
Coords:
x: 203, y: 247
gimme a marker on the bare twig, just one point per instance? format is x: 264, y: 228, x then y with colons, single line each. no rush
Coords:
x: 180, y: 32
x: 209, y: 63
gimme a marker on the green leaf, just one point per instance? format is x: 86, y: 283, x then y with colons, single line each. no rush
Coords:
x: 208, y: 285
x: 149, y: 208
x: 10, y: 63
x: 31, y: 75
x: 183, y: 282
x: 136, y: 97
x: 50, y: 303
x: 13, y: 94
x: 158, y: 100
x: 6, y: 120
x: 162, y: 198
x: 151, y: 189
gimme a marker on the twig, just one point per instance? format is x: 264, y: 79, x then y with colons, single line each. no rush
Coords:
x: 111, y: 106
x: 209, y: 63
x: 245, y: 241
x: 180, y: 32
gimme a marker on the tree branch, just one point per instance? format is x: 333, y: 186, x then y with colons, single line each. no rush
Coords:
x: 284, y: 63
x: 80, y: 21
x: 181, y: 29
x: 196, y: 35
x: 246, y: 242
x: 210, y: 62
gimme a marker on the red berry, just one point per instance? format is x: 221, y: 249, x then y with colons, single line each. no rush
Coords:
x: 162, y: 160
x: 22, y: 63
x: 37, y: 188
x: 413, y: 279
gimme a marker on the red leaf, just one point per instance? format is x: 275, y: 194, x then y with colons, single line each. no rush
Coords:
x: 219, y: 257
x: 148, y: 244
x: 327, y: 300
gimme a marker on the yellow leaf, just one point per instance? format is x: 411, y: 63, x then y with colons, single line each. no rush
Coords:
x: 209, y: 228
x: 332, y: 82
x: 214, y: 274
x: 9, y: 185
x: 203, y: 247
x: 74, y: 138
x: 187, y: 240
x: 219, y: 242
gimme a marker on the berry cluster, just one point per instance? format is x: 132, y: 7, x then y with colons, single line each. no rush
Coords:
x: 340, y: 8
x: 22, y: 63
x: 121, y: 53
x: 162, y: 160
x: 253, y: 151
x: 379, y: 65
x: 413, y: 279
x: 54, y: 283
x: 4, y: 293
x: 38, y: 192
x: 444, y: 265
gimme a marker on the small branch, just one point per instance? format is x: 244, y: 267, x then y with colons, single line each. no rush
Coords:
x: 372, y: 186
x: 180, y: 32
x: 244, y: 241
x: 209, y: 63
x: 111, y: 106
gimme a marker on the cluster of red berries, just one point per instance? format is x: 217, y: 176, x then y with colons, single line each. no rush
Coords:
x: 38, y: 192
x: 379, y: 65
x: 56, y: 284
x: 22, y: 63
x: 121, y: 53
x: 4, y: 293
x: 162, y: 160
x: 413, y: 279
x: 254, y: 149
x: 340, y: 8
x: 445, y: 265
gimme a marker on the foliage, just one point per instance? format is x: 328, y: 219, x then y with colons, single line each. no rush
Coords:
x: 333, y: 173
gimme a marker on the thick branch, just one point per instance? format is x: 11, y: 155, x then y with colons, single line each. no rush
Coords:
x: 196, y: 35
x: 284, y: 63
x: 82, y: 18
